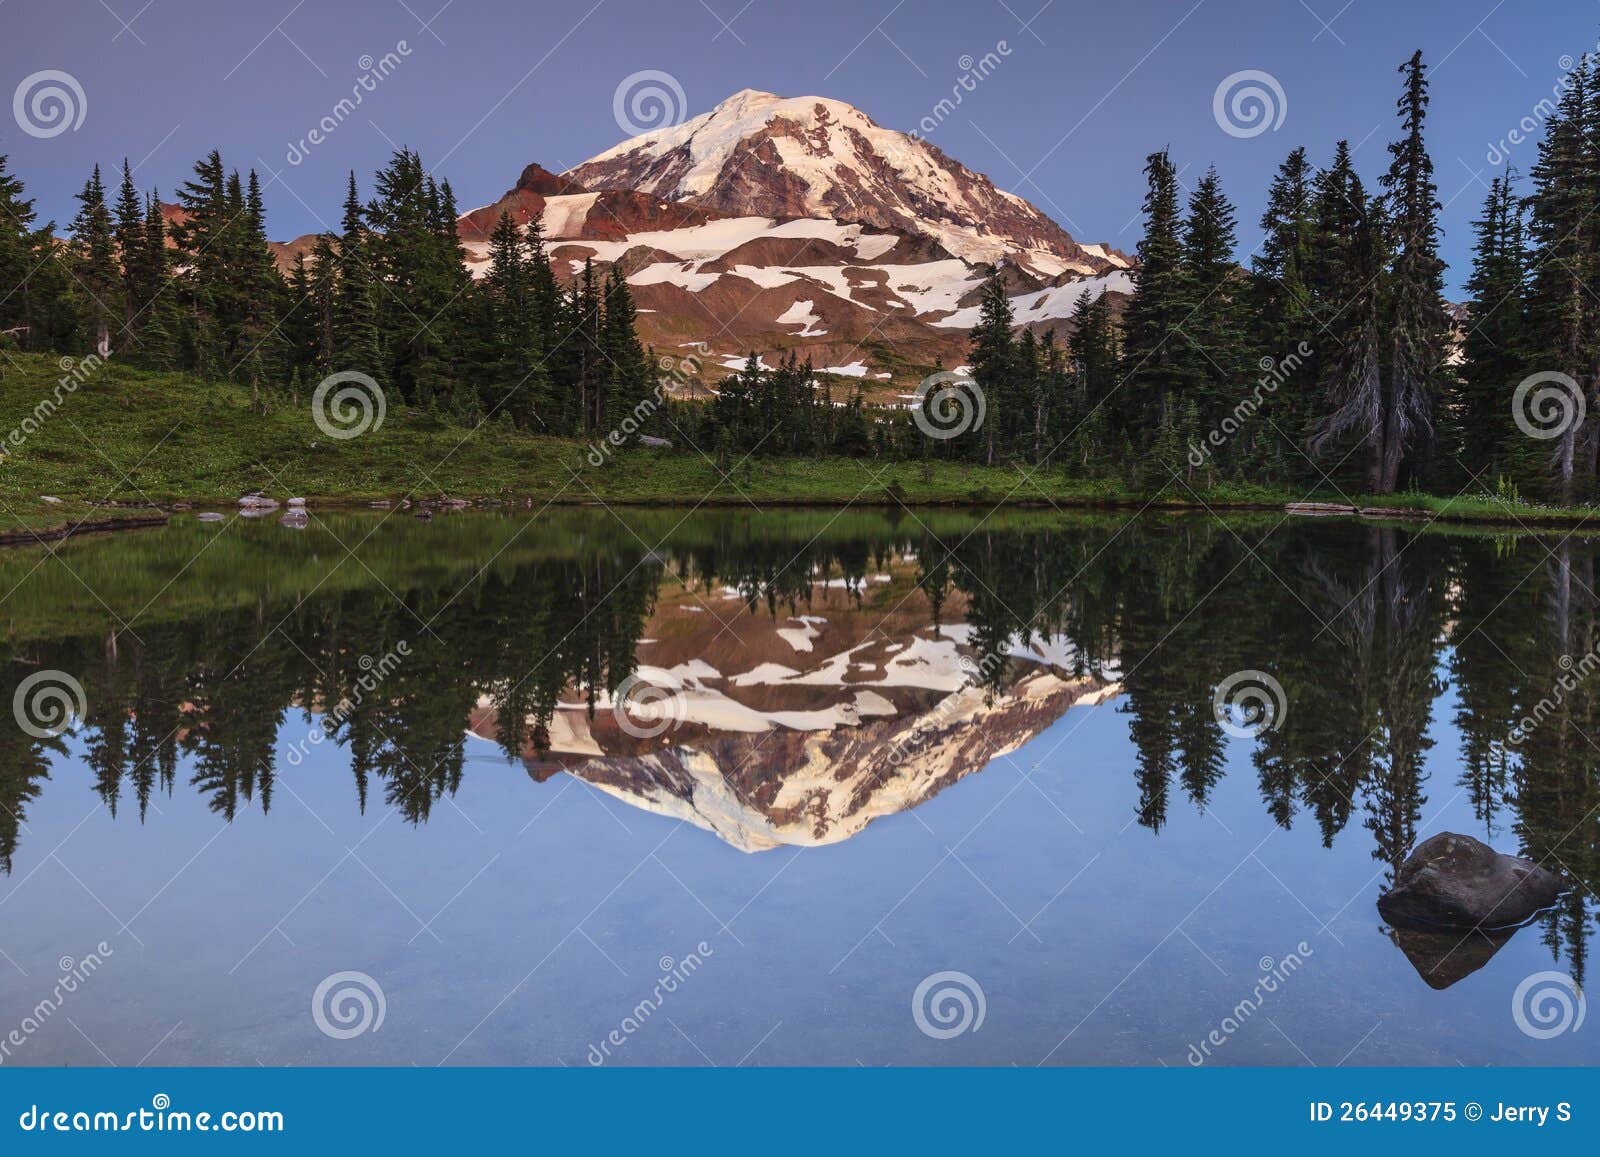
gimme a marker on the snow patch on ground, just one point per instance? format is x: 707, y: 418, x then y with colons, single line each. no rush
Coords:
x: 802, y: 313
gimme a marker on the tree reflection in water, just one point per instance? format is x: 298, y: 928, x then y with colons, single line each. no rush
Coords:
x: 228, y: 663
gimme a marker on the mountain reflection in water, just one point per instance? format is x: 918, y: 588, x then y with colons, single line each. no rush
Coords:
x: 814, y: 671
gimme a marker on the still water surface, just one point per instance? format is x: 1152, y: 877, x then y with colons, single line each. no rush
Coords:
x: 859, y: 750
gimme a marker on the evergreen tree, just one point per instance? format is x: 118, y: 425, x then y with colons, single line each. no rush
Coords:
x: 628, y: 386
x: 1562, y: 315
x: 1418, y: 326
x: 159, y: 312
x: 1282, y: 302
x: 37, y: 305
x: 994, y: 362
x: 1346, y: 276
x: 347, y: 295
x: 98, y: 273
x: 1156, y: 311
x: 1493, y: 345
x: 1213, y: 354
x: 129, y: 235
x: 1093, y: 373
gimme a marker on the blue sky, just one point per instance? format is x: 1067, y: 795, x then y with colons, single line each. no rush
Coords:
x: 1081, y: 93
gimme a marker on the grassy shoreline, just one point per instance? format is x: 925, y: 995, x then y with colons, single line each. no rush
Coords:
x: 126, y: 448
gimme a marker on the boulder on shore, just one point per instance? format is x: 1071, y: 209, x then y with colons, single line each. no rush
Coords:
x: 1454, y: 881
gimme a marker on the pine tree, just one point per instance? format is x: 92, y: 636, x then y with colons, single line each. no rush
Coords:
x: 129, y: 234
x: 1562, y: 316
x: 299, y: 324
x: 327, y: 296
x: 1156, y: 311
x: 1418, y: 326
x: 36, y: 303
x: 98, y: 273
x: 1346, y: 275
x: 1282, y: 303
x: 1094, y: 373
x: 347, y: 295
x: 628, y: 387
x: 261, y: 292
x: 1493, y: 346
x: 1213, y: 344
x: 994, y: 362
x: 158, y: 319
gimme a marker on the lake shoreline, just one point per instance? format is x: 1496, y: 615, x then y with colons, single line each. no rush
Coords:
x: 112, y: 517
x: 177, y: 444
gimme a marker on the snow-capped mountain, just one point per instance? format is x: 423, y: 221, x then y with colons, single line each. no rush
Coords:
x: 771, y: 224
x: 761, y: 155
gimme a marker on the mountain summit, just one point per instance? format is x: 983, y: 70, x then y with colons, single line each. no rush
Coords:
x: 761, y: 155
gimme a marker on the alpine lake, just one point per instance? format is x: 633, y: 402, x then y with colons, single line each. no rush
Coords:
x: 590, y: 786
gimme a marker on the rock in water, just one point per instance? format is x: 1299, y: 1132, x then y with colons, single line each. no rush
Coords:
x: 1454, y: 881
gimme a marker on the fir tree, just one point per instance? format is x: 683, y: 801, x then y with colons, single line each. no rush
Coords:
x: 1156, y: 310
x: 347, y: 295
x: 1213, y: 354
x: 1418, y: 327
x: 129, y: 236
x: 36, y: 302
x: 993, y: 362
x: 1562, y: 316
x: 1493, y: 345
x: 98, y: 273
x: 1346, y: 275
x: 1282, y: 303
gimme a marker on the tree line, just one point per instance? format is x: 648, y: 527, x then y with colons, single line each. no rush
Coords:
x: 387, y: 294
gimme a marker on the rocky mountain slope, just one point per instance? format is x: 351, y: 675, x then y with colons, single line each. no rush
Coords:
x: 760, y: 155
